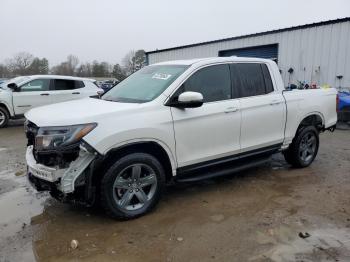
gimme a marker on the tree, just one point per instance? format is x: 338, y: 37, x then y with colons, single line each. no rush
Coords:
x: 84, y: 70
x: 72, y: 63
x: 20, y: 63
x: 140, y: 59
x: 24, y: 63
x: 39, y: 66
x: 4, y: 71
x: 118, y: 72
x: 61, y: 69
x: 129, y: 63
x: 100, y: 69
x: 68, y: 67
x: 134, y: 61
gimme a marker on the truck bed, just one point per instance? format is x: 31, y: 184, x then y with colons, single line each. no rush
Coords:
x: 303, y: 103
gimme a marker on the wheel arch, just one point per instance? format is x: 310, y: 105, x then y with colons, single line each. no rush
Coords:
x: 312, y: 119
x: 152, y: 147
x: 6, y: 107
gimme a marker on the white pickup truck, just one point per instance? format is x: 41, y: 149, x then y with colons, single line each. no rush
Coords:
x: 174, y: 121
x: 20, y: 94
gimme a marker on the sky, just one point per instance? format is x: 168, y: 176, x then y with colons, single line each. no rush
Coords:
x: 105, y: 30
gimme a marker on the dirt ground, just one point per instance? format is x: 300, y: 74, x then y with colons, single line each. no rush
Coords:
x: 256, y: 215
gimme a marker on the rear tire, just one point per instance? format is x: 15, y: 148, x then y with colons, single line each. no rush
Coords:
x: 132, y: 186
x: 303, y: 150
x: 4, y: 117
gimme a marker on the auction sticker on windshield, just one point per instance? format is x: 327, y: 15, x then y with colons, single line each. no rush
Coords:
x: 161, y: 76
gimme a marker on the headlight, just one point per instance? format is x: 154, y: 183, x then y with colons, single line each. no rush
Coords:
x: 53, y: 137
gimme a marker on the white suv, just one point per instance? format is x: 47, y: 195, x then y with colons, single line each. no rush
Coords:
x: 20, y: 94
x: 174, y: 121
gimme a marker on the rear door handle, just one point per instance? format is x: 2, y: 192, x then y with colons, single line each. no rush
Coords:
x: 231, y: 109
x: 76, y: 93
x: 275, y: 102
x: 44, y: 94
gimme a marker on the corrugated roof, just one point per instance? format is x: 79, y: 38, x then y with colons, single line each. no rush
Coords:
x: 335, y: 21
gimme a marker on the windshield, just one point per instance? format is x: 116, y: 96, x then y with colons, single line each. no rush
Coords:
x: 146, y: 84
x: 17, y: 80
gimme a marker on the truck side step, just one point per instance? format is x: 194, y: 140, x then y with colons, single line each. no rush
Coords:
x: 219, y: 171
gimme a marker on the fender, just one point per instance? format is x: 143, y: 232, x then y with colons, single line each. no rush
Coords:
x: 288, y: 140
x: 166, y: 148
x: 309, y: 114
x: 313, y: 113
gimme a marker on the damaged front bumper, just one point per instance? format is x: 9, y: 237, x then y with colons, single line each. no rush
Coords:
x: 54, y: 178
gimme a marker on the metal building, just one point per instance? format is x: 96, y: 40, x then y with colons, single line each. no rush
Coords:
x: 312, y: 53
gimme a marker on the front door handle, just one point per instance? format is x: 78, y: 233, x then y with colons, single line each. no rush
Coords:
x: 76, y: 93
x: 45, y: 94
x: 231, y: 109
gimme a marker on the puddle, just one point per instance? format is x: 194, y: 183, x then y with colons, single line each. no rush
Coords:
x: 330, y: 244
x: 19, y: 206
x: 18, y: 203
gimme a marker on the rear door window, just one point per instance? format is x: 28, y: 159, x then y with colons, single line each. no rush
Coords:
x: 248, y: 79
x: 62, y: 84
x: 79, y: 84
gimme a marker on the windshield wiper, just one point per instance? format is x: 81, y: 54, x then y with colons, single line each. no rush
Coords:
x: 127, y: 100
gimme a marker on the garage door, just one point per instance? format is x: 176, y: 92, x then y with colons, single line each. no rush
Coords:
x: 264, y: 51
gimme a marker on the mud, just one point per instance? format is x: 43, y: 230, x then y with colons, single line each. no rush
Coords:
x: 255, y: 215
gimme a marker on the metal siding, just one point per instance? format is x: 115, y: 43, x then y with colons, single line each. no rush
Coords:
x: 325, y: 54
x: 282, y: 59
x: 317, y: 57
x: 322, y: 50
x: 333, y: 55
x: 347, y: 57
x: 310, y: 54
x: 342, y: 46
x: 303, y: 56
x: 291, y: 56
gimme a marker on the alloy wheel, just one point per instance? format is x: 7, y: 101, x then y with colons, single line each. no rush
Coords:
x: 2, y: 117
x: 134, y: 186
x: 307, y: 147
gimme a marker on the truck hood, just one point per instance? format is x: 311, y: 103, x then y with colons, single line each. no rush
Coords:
x: 76, y: 112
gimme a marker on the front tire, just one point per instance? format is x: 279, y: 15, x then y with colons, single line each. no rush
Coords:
x: 304, y: 148
x: 132, y: 186
x: 4, y: 117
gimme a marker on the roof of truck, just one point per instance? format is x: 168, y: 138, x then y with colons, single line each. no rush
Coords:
x: 210, y: 60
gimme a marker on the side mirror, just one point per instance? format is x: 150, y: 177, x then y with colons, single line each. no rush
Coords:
x: 189, y: 100
x: 14, y: 87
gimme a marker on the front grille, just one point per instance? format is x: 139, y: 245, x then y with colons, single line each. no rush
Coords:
x: 60, y: 157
